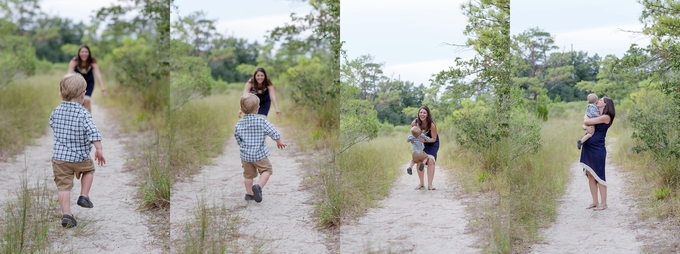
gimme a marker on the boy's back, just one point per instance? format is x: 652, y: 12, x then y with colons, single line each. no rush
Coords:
x: 74, y: 132
x: 250, y: 133
x: 417, y: 145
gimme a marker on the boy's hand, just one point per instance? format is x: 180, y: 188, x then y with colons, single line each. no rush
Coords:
x: 99, y: 157
x: 279, y: 144
x: 239, y: 113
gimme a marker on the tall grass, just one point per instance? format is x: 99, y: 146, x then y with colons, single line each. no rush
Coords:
x: 657, y: 181
x: 513, y: 219
x: 199, y: 129
x: 25, y: 107
x: 368, y: 171
x: 27, y: 220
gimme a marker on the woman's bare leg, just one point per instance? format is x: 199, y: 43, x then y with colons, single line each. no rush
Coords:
x: 421, y: 176
x: 592, y: 183
x: 430, y: 174
x: 86, y: 104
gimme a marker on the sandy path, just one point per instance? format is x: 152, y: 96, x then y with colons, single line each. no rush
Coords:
x: 114, y: 225
x: 412, y: 221
x: 577, y: 230
x: 283, y: 219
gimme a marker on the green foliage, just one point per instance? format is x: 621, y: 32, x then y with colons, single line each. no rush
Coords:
x: 190, y: 76
x: 358, y: 121
x: 557, y: 99
x: 17, y: 57
x: 542, y: 107
x: 655, y: 125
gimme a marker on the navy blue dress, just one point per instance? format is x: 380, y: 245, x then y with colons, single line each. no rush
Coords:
x: 594, y: 153
x: 265, y: 101
x: 89, y: 78
x: 431, y: 148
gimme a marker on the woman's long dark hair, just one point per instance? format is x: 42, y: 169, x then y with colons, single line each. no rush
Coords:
x: 609, y: 109
x: 265, y: 83
x: 428, y: 119
x: 90, y: 60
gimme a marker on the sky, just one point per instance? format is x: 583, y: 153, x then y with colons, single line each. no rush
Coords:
x: 244, y: 19
x: 408, y: 36
x: 76, y: 10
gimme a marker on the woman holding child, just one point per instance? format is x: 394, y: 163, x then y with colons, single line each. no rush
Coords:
x: 263, y: 88
x: 426, y: 124
x: 87, y: 66
x: 594, y: 153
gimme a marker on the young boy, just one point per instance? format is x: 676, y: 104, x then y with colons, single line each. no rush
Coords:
x: 418, y: 156
x: 74, y: 135
x: 591, y: 111
x: 250, y: 133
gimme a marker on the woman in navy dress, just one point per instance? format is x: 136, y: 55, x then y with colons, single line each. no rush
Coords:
x: 425, y: 122
x: 262, y: 87
x: 87, y: 66
x: 594, y: 153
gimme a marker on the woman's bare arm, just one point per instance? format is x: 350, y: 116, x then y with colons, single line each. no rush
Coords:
x: 98, y: 76
x: 597, y: 120
x: 272, y: 95
x: 433, y: 132
x: 71, y: 67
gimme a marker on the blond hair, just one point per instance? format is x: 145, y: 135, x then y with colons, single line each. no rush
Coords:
x: 416, y: 131
x: 71, y: 86
x: 249, y: 103
x: 592, y: 98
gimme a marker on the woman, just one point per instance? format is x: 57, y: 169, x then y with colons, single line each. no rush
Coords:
x: 594, y: 153
x: 262, y: 87
x: 424, y: 121
x: 87, y: 66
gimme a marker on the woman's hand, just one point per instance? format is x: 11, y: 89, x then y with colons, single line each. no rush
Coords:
x: 421, y: 140
x: 103, y: 92
x: 278, y: 112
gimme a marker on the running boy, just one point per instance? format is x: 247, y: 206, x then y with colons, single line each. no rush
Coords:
x: 418, y: 156
x: 250, y: 133
x: 74, y: 135
x: 591, y: 111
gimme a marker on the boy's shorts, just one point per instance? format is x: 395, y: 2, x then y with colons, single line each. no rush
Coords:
x: 64, y: 170
x: 418, y: 157
x: 250, y: 169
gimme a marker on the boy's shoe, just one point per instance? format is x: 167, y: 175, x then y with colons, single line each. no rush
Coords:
x: 257, y: 193
x: 249, y: 197
x: 408, y: 170
x: 421, y: 167
x: 579, y: 144
x: 68, y: 221
x: 85, y: 202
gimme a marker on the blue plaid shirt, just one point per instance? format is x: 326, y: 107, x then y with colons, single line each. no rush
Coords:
x: 74, y: 132
x: 250, y: 133
x: 417, y: 145
x: 592, y: 111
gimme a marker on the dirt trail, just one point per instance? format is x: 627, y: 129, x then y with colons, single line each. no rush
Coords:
x: 283, y: 220
x: 114, y: 225
x: 413, y: 221
x: 577, y: 230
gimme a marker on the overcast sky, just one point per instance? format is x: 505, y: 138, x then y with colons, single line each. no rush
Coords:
x: 244, y: 19
x: 408, y: 35
x: 76, y: 10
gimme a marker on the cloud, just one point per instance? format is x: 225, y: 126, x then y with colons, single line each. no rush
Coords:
x: 602, y: 40
x: 76, y: 10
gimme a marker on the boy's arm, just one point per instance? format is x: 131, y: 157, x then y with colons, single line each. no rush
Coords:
x: 99, y: 153
x: 275, y: 135
x: 425, y: 137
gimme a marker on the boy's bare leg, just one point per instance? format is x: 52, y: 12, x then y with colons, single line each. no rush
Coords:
x: 586, y: 137
x: 86, y: 184
x: 65, y: 201
x: 249, y: 185
x: 264, y: 177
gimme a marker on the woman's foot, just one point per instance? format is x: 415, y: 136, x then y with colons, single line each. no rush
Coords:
x: 591, y: 206
x: 431, y: 188
x: 420, y: 187
x: 600, y: 207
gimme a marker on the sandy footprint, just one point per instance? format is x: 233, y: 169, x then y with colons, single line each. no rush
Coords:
x: 283, y: 220
x: 577, y: 230
x: 114, y: 225
x: 412, y: 221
